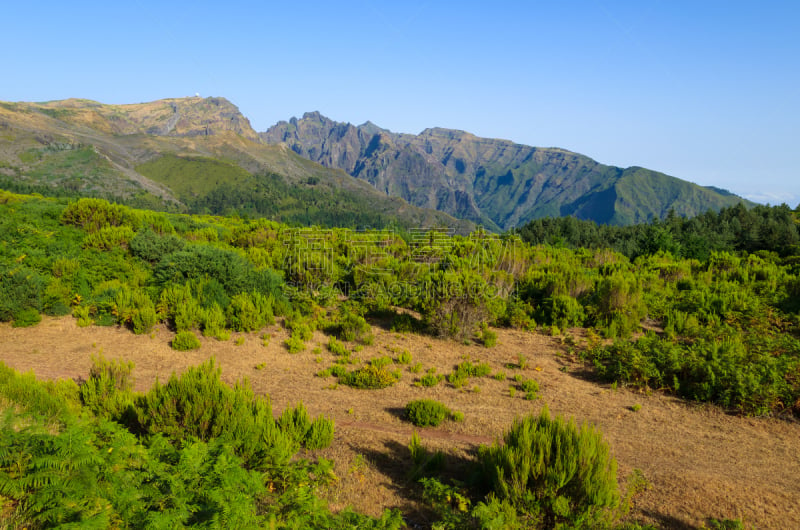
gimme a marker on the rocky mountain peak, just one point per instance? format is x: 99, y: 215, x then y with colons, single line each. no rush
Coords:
x: 191, y: 116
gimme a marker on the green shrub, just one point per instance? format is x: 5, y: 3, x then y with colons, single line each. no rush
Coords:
x: 380, y: 362
x: 188, y: 316
x: 619, y: 304
x: 54, y: 401
x: 522, y: 361
x: 144, y: 319
x: 552, y: 469
x: 320, y: 434
x: 212, y: 321
x: 489, y: 338
x: 354, y: 328
x: 531, y: 389
x: 426, y: 412
x: 338, y: 370
x: 734, y: 369
x: 467, y: 369
x: 300, y: 327
x: 457, y: 379
x: 429, y: 380
x: 94, y: 214
x: 185, y: 340
x: 405, y: 323
x: 337, y: 348
x: 83, y: 315
x: 198, y: 405
x: 250, y: 311
x: 172, y: 298
x: 26, y: 317
x: 21, y: 288
x: 108, y: 391
x: 405, y: 357
x: 295, y: 344
x: 109, y: 237
x: 295, y: 422
x: 151, y: 247
x: 566, y: 311
x: 369, y: 377
x: 423, y: 462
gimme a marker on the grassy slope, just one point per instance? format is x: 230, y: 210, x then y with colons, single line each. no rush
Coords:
x: 79, y: 147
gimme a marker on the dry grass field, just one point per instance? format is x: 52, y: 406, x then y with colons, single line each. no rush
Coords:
x: 700, y: 462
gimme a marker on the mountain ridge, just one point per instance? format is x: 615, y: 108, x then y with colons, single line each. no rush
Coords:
x: 498, y: 183
x: 186, y: 154
x: 87, y: 146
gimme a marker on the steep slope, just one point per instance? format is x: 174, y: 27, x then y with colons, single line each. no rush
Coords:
x: 494, y: 182
x: 188, y: 154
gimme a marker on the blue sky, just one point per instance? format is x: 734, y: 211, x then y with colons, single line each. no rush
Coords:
x: 707, y: 91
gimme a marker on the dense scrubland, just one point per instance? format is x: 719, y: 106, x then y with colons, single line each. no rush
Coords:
x: 707, y: 309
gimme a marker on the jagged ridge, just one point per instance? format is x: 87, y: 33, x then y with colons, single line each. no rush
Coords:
x: 495, y: 182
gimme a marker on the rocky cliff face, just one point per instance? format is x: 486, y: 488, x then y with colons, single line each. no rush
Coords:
x: 394, y: 163
x: 497, y: 183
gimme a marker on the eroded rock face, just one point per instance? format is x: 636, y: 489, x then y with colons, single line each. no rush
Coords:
x: 492, y: 182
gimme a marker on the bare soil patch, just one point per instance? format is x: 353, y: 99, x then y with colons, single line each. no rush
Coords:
x: 700, y: 461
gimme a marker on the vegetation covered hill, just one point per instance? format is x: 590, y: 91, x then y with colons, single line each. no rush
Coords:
x: 496, y: 183
x: 721, y: 329
x: 189, y: 155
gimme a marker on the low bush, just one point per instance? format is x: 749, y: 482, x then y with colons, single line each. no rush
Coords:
x: 198, y: 405
x: 26, y: 317
x: 337, y: 348
x: 184, y: 341
x: 295, y: 344
x: 83, y: 315
x: 354, y: 328
x: 426, y: 412
x: 250, y: 311
x: 319, y: 434
x: 752, y: 373
x: 529, y: 385
x: 381, y: 362
x: 423, y: 462
x: 108, y: 391
x: 429, y: 380
x: 405, y: 357
x: 467, y: 369
x: 212, y: 320
x: 552, y: 470
x: 369, y: 377
x: 297, y: 424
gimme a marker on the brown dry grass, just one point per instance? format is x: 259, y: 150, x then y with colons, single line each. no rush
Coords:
x: 700, y: 461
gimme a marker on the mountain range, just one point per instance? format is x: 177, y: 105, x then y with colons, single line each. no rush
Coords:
x: 202, y: 155
x: 497, y: 183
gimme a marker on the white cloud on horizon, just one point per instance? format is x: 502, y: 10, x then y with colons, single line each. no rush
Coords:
x: 773, y: 198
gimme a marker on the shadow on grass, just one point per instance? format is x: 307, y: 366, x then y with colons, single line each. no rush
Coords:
x: 396, y: 462
x: 669, y: 522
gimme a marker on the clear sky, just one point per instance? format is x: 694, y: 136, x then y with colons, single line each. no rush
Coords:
x: 704, y: 90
